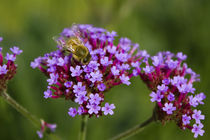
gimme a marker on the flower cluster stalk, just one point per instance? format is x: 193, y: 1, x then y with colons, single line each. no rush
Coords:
x: 7, y: 98
x: 83, y: 129
x: 33, y: 119
x: 134, y: 130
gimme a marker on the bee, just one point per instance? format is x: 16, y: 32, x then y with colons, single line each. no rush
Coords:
x: 75, y: 45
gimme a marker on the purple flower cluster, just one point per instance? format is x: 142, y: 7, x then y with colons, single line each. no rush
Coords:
x: 86, y: 85
x: 8, y: 68
x: 171, y: 82
x: 45, y: 126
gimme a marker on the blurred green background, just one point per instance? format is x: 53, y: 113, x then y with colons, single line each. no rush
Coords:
x: 158, y: 25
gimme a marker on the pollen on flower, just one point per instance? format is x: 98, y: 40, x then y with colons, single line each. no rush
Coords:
x: 171, y: 82
x: 110, y: 65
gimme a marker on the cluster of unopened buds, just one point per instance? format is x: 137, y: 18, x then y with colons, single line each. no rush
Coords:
x: 87, y: 84
x: 171, y: 82
x: 8, y: 66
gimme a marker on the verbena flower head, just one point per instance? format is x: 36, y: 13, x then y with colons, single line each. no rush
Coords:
x: 7, y: 65
x: 86, y: 85
x: 171, y: 82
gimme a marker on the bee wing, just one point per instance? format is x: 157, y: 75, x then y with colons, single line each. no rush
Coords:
x: 71, y: 49
x: 59, y: 41
x: 77, y: 33
x: 75, y: 29
x: 62, y: 42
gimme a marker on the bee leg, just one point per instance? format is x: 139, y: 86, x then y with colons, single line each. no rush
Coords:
x: 73, y: 61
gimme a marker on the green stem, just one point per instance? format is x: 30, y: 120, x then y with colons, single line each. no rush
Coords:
x: 34, y: 120
x: 83, y: 129
x: 134, y: 130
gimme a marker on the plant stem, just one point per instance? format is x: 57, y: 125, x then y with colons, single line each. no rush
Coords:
x: 83, y: 129
x: 34, y: 120
x: 134, y: 130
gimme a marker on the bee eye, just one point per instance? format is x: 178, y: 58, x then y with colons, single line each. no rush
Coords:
x: 85, y: 60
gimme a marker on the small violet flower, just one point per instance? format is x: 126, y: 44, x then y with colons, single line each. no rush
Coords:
x: 197, y: 116
x: 75, y: 71
x: 156, y: 96
x: 95, y: 99
x: 16, y: 50
x: 93, y: 108
x: 186, y: 119
x: 197, y: 130
x: 47, y: 94
x: 3, y: 69
x: 171, y: 97
x: 1, y: 38
x: 125, y: 79
x: 107, y: 109
x: 10, y: 57
x: 169, y: 108
x: 72, y: 112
